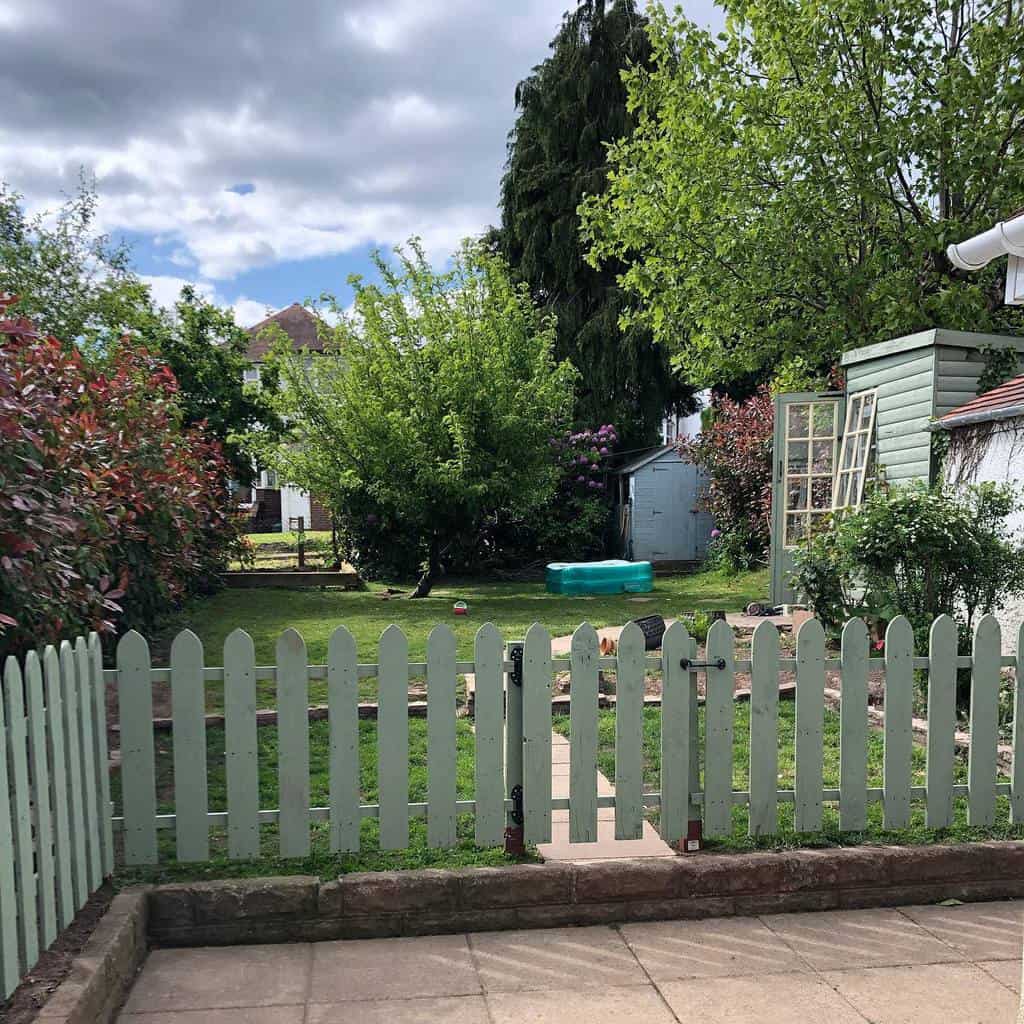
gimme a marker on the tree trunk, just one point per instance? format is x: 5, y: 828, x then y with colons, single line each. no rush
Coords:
x: 433, y: 570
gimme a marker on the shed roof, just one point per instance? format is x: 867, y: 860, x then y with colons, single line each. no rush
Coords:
x: 1001, y: 403
x: 925, y: 339
x: 299, y: 325
x: 643, y: 460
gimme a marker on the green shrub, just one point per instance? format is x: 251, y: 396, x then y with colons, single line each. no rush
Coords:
x: 917, y: 552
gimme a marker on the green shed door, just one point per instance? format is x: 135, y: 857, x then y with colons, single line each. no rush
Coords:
x: 807, y: 431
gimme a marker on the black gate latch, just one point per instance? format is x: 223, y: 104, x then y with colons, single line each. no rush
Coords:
x: 689, y: 665
x: 516, y: 657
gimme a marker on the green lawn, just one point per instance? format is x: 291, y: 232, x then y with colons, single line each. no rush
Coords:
x: 787, y: 836
x: 512, y: 607
x: 321, y: 861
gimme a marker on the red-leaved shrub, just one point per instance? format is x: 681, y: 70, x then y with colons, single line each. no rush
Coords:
x: 110, y: 512
x: 736, y: 453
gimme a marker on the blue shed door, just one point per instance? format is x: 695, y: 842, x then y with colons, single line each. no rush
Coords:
x: 664, y: 523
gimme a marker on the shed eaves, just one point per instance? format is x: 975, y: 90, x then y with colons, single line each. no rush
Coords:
x: 1007, y: 399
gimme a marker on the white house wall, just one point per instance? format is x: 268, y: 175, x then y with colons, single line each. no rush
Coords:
x: 294, y: 503
x: 1003, y: 463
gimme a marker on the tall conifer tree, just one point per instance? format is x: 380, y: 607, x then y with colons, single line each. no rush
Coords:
x: 570, y: 108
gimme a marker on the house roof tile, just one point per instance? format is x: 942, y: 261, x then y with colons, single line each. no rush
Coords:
x: 298, y: 324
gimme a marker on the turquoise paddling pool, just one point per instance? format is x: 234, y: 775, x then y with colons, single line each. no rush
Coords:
x: 614, y: 576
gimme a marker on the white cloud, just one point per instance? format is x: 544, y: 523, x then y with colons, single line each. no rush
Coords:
x: 355, y: 128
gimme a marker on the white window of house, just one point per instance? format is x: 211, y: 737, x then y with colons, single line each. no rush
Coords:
x: 252, y: 375
x: 855, y: 454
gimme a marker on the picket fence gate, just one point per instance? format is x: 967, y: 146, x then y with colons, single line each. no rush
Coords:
x: 56, y: 839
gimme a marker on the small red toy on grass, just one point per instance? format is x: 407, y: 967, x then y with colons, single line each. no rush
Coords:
x: 460, y: 608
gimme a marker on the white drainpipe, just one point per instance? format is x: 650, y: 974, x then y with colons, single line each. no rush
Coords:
x: 1006, y: 238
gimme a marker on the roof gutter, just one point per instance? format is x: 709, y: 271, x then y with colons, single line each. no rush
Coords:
x: 968, y: 419
x: 980, y: 250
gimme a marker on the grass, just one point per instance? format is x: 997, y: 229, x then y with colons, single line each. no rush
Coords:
x: 787, y: 836
x: 315, y: 539
x: 320, y: 861
x: 512, y: 607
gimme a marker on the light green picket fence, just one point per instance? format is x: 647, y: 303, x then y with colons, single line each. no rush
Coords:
x: 56, y: 840
x: 514, y: 748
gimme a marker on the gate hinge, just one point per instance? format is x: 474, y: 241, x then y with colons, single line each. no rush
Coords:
x: 515, y: 655
x: 516, y: 814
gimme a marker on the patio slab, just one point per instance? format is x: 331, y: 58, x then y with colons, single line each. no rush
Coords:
x: 957, y: 965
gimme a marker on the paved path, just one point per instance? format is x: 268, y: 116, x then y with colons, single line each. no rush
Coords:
x: 607, y: 846
x: 925, y: 965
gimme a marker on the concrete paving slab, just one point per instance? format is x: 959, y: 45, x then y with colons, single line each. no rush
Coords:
x: 455, y: 1010
x: 246, y: 1015
x: 1006, y: 972
x: 433, y: 965
x: 927, y: 994
x: 637, y: 1005
x: 839, y: 939
x: 779, y: 998
x: 981, y: 931
x: 222, y: 978
x: 554, y: 958
x: 717, y: 948
x: 607, y: 847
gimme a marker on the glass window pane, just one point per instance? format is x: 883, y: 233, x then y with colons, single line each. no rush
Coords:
x: 849, y: 445
x: 796, y: 529
x: 822, y: 452
x: 798, y: 420
x: 821, y: 492
x: 796, y: 493
x: 797, y: 462
x: 854, y: 486
x: 819, y: 521
x: 824, y: 419
x: 842, y: 488
x: 862, y: 450
x: 865, y: 412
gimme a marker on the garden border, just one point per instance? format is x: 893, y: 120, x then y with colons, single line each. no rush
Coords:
x: 101, y: 976
x: 433, y: 901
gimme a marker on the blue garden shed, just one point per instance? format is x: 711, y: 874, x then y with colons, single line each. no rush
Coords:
x: 660, y: 520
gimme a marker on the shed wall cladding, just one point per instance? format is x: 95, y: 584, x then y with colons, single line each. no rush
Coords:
x: 905, y: 383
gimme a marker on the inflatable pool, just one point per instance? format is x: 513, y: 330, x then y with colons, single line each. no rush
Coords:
x: 614, y: 576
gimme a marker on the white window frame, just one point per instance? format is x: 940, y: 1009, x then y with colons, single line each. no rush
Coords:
x: 808, y: 513
x: 856, y: 467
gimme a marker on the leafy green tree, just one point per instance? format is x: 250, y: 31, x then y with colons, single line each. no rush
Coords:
x: 570, y: 108
x: 205, y: 348
x: 72, y: 282
x: 432, y: 408
x: 792, y: 184
x: 80, y: 287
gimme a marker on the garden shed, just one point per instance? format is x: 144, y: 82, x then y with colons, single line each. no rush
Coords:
x: 829, y: 444
x: 659, y: 517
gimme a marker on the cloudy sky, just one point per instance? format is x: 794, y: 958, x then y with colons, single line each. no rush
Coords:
x: 262, y: 149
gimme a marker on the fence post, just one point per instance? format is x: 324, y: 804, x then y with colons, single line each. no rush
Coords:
x: 514, y: 842
x: 694, y: 823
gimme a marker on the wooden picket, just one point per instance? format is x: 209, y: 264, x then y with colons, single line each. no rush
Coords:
x: 941, y: 750
x: 241, y: 770
x: 489, y: 761
x: 810, y: 713
x: 853, y: 728
x: 583, y: 736
x: 629, y: 732
x: 43, y: 816
x: 343, y: 712
x: 393, y: 739
x: 293, y: 744
x: 764, y: 730
x: 47, y: 783
x: 678, y: 700
x: 899, y: 711
x: 981, y: 762
x: 56, y: 840
x: 1017, y: 785
x: 73, y: 765
x: 441, y: 740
